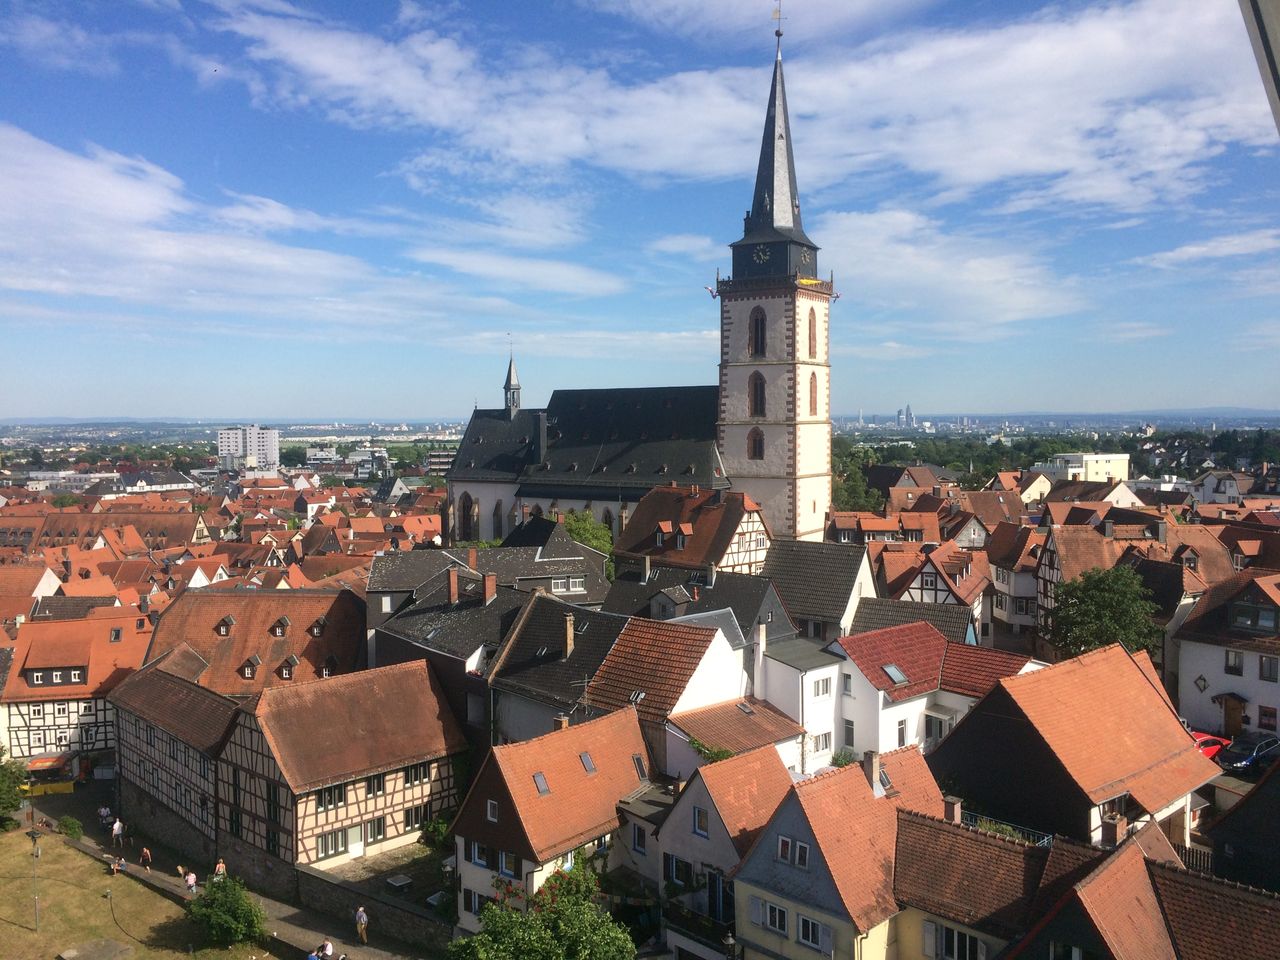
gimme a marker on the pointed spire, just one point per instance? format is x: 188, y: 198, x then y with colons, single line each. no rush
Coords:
x: 511, y: 389
x: 776, y: 203
x: 513, y: 382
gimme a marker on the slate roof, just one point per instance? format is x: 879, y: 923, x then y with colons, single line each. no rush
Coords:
x: 605, y: 443
x: 531, y: 661
x: 967, y: 876
x: 876, y: 613
x: 193, y: 618
x: 69, y: 608
x: 746, y: 790
x: 461, y: 628
x: 815, y: 580
x: 577, y: 806
x: 653, y: 657
x: 370, y: 737
x: 714, y: 517
x: 406, y: 570
x: 728, y: 726
x: 742, y: 593
x: 1108, y: 696
x: 198, y: 717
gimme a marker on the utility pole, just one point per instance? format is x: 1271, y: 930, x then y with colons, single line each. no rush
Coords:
x: 34, y: 834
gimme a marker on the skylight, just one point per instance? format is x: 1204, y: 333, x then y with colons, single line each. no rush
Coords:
x: 746, y: 708
x: 540, y: 781
x: 895, y: 673
x: 587, y: 763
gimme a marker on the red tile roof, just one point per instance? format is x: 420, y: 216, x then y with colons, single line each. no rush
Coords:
x: 746, y: 790
x: 653, y: 657
x: 579, y: 805
x: 912, y: 786
x: 381, y: 719
x: 727, y: 726
x: 973, y: 670
x: 709, y: 519
x: 45, y: 644
x: 1122, y: 904
x: 917, y: 649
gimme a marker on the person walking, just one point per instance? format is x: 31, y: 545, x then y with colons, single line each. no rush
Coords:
x: 362, y: 925
x: 117, y: 833
x: 220, y: 869
x: 191, y: 881
x: 144, y: 861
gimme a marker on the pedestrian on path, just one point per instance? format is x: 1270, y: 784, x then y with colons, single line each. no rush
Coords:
x: 145, y: 860
x: 117, y: 833
x: 220, y: 869
x: 362, y: 924
x: 191, y: 881
x: 325, y: 949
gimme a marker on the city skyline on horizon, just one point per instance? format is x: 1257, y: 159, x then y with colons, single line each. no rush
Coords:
x: 280, y: 195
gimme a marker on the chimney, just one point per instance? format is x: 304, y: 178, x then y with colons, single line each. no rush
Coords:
x: 758, y: 685
x: 1108, y: 529
x: 645, y: 569
x: 568, y: 635
x: 694, y: 593
x: 490, y: 586
x: 871, y: 767
x: 711, y: 575
x: 453, y: 584
x: 561, y: 722
x: 1114, y: 829
x: 472, y: 557
x: 1162, y: 530
x: 952, y: 809
x: 540, y: 440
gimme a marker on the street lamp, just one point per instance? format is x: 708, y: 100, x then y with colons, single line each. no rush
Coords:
x: 34, y: 834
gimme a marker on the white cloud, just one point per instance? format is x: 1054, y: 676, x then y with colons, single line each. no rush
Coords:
x: 884, y: 350
x: 940, y: 284
x: 1216, y: 248
x: 1128, y: 331
x: 63, y: 45
x: 502, y: 270
x: 693, y: 245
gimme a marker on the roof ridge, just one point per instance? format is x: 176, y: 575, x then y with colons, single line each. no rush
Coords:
x: 988, y: 834
x: 1184, y: 870
x: 503, y: 748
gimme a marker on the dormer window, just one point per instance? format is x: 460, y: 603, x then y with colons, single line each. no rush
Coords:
x: 225, y: 625
x: 250, y: 667
x: 279, y: 627
x: 679, y: 541
x: 317, y: 628
x: 37, y: 677
x: 115, y: 634
x: 330, y: 667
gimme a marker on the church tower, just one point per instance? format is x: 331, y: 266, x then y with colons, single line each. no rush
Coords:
x: 774, y: 428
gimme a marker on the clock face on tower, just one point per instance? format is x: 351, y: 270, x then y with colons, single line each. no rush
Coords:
x: 805, y: 256
x: 760, y: 254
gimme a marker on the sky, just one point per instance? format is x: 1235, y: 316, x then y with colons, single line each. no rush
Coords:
x: 262, y: 209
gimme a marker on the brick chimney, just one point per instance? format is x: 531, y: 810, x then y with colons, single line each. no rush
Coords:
x: 453, y: 584
x: 490, y: 586
x: 871, y: 767
x: 1162, y: 531
x: 561, y: 722
x: 1114, y: 829
x: 472, y: 557
x: 568, y: 635
x: 711, y: 575
x: 952, y: 809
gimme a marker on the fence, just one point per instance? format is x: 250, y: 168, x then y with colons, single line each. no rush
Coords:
x: 1199, y: 859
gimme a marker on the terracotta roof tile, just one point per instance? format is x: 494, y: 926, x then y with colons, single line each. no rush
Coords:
x: 653, y: 657
x: 726, y: 726
x: 973, y: 670
x: 43, y: 644
x: 1122, y: 904
x: 916, y: 649
x: 196, y: 716
x: 912, y: 786
x: 1246, y: 922
x: 368, y: 736
x: 746, y: 790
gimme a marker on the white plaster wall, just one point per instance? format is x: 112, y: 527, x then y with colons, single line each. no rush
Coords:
x: 1207, y: 660
x: 719, y: 677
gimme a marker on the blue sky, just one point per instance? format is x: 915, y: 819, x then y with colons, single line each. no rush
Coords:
x: 262, y: 209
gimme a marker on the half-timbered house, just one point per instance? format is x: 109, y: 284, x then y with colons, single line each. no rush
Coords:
x: 694, y: 527
x: 950, y: 574
x: 168, y: 735
x: 255, y: 639
x: 320, y: 773
x: 55, y: 696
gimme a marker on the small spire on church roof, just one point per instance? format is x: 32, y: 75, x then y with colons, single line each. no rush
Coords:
x: 513, y: 382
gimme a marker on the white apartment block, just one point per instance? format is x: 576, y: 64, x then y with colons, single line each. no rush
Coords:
x: 1085, y: 466
x: 252, y: 447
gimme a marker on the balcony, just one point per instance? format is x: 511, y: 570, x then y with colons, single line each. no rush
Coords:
x: 695, y: 926
x: 1011, y: 830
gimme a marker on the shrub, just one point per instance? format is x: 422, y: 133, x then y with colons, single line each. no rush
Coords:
x: 435, y: 833
x: 70, y: 827
x: 842, y: 758
x: 227, y: 913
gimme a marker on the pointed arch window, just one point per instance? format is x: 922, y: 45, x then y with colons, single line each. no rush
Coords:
x: 813, y: 394
x: 755, y: 444
x: 813, y: 334
x: 758, y: 332
x: 755, y: 394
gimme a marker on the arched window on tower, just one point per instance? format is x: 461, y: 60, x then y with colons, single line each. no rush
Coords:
x: 757, y: 333
x: 755, y: 394
x: 813, y: 334
x: 813, y: 394
x: 755, y: 444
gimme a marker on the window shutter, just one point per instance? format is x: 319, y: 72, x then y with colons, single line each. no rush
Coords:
x: 757, y: 908
x: 929, y: 938
x: 824, y: 940
x: 982, y: 950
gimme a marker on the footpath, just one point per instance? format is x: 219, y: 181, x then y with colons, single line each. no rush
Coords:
x: 294, y: 930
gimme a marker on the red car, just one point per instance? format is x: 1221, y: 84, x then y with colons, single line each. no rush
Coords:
x: 1209, y: 743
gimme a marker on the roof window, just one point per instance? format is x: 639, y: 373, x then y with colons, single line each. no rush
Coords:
x: 895, y: 673
x: 588, y: 764
x: 540, y: 781
x: 115, y: 634
x: 638, y: 761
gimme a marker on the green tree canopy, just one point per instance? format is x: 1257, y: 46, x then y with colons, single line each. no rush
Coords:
x: 227, y: 913
x: 293, y: 456
x: 562, y: 922
x: 589, y: 531
x: 1102, y: 607
x: 13, y: 774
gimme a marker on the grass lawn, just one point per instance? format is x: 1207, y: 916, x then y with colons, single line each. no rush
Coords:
x: 74, y: 908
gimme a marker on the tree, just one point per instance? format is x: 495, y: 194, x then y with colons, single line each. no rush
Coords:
x: 562, y: 922
x: 293, y: 457
x: 590, y: 532
x: 227, y: 913
x: 67, y: 500
x: 13, y: 774
x: 1101, y: 607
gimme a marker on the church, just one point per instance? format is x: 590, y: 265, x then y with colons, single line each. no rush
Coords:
x: 763, y: 430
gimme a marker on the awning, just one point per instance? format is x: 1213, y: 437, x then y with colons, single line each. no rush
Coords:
x: 1220, y: 697
x: 48, y: 761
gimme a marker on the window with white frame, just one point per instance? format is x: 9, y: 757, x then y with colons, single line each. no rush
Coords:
x: 784, y: 849
x: 76, y: 676
x: 1065, y: 951
x: 331, y: 844
x: 376, y: 785
x: 491, y: 811
x: 577, y: 584
x: 37, y: 739
x: 775, y: 918
x: 327, y: 798
x: 417, y: 773
x: 639, y: 839
x: 822, y: 687
x: 902, y: 733
x: 846, y: 682
x: 809, y: 931
x: 848, y: 734
x: 57, y: 676
x: 802, y: 855
x: 821, y: 742
x: 60, y: 709
x: 37, y: 677
x: 1269, y: 669
x: 375, y: 830
x: 677, y: 870
x: 700, y: 821
x: 509, y: 865
x: 386, y: 603
x: 64, y: 738
x: 928, y: 580
x: 559, y: 584
x: 947, y: 943
x: 86, y: 706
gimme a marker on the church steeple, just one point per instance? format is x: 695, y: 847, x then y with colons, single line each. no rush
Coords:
x: 512, y: 389
x: 773, y: 239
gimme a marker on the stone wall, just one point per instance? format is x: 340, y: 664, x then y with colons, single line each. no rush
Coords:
x: 388, y: 916
x: 148, y: 815
x: 259, y: 870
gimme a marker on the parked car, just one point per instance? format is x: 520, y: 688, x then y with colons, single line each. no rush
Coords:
x: 1210, y: 744
x: 1250, y: 753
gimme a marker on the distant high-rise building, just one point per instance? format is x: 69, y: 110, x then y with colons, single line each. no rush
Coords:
x: 249, y: 448
x: 900, y: 421
x: 911, y: 418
